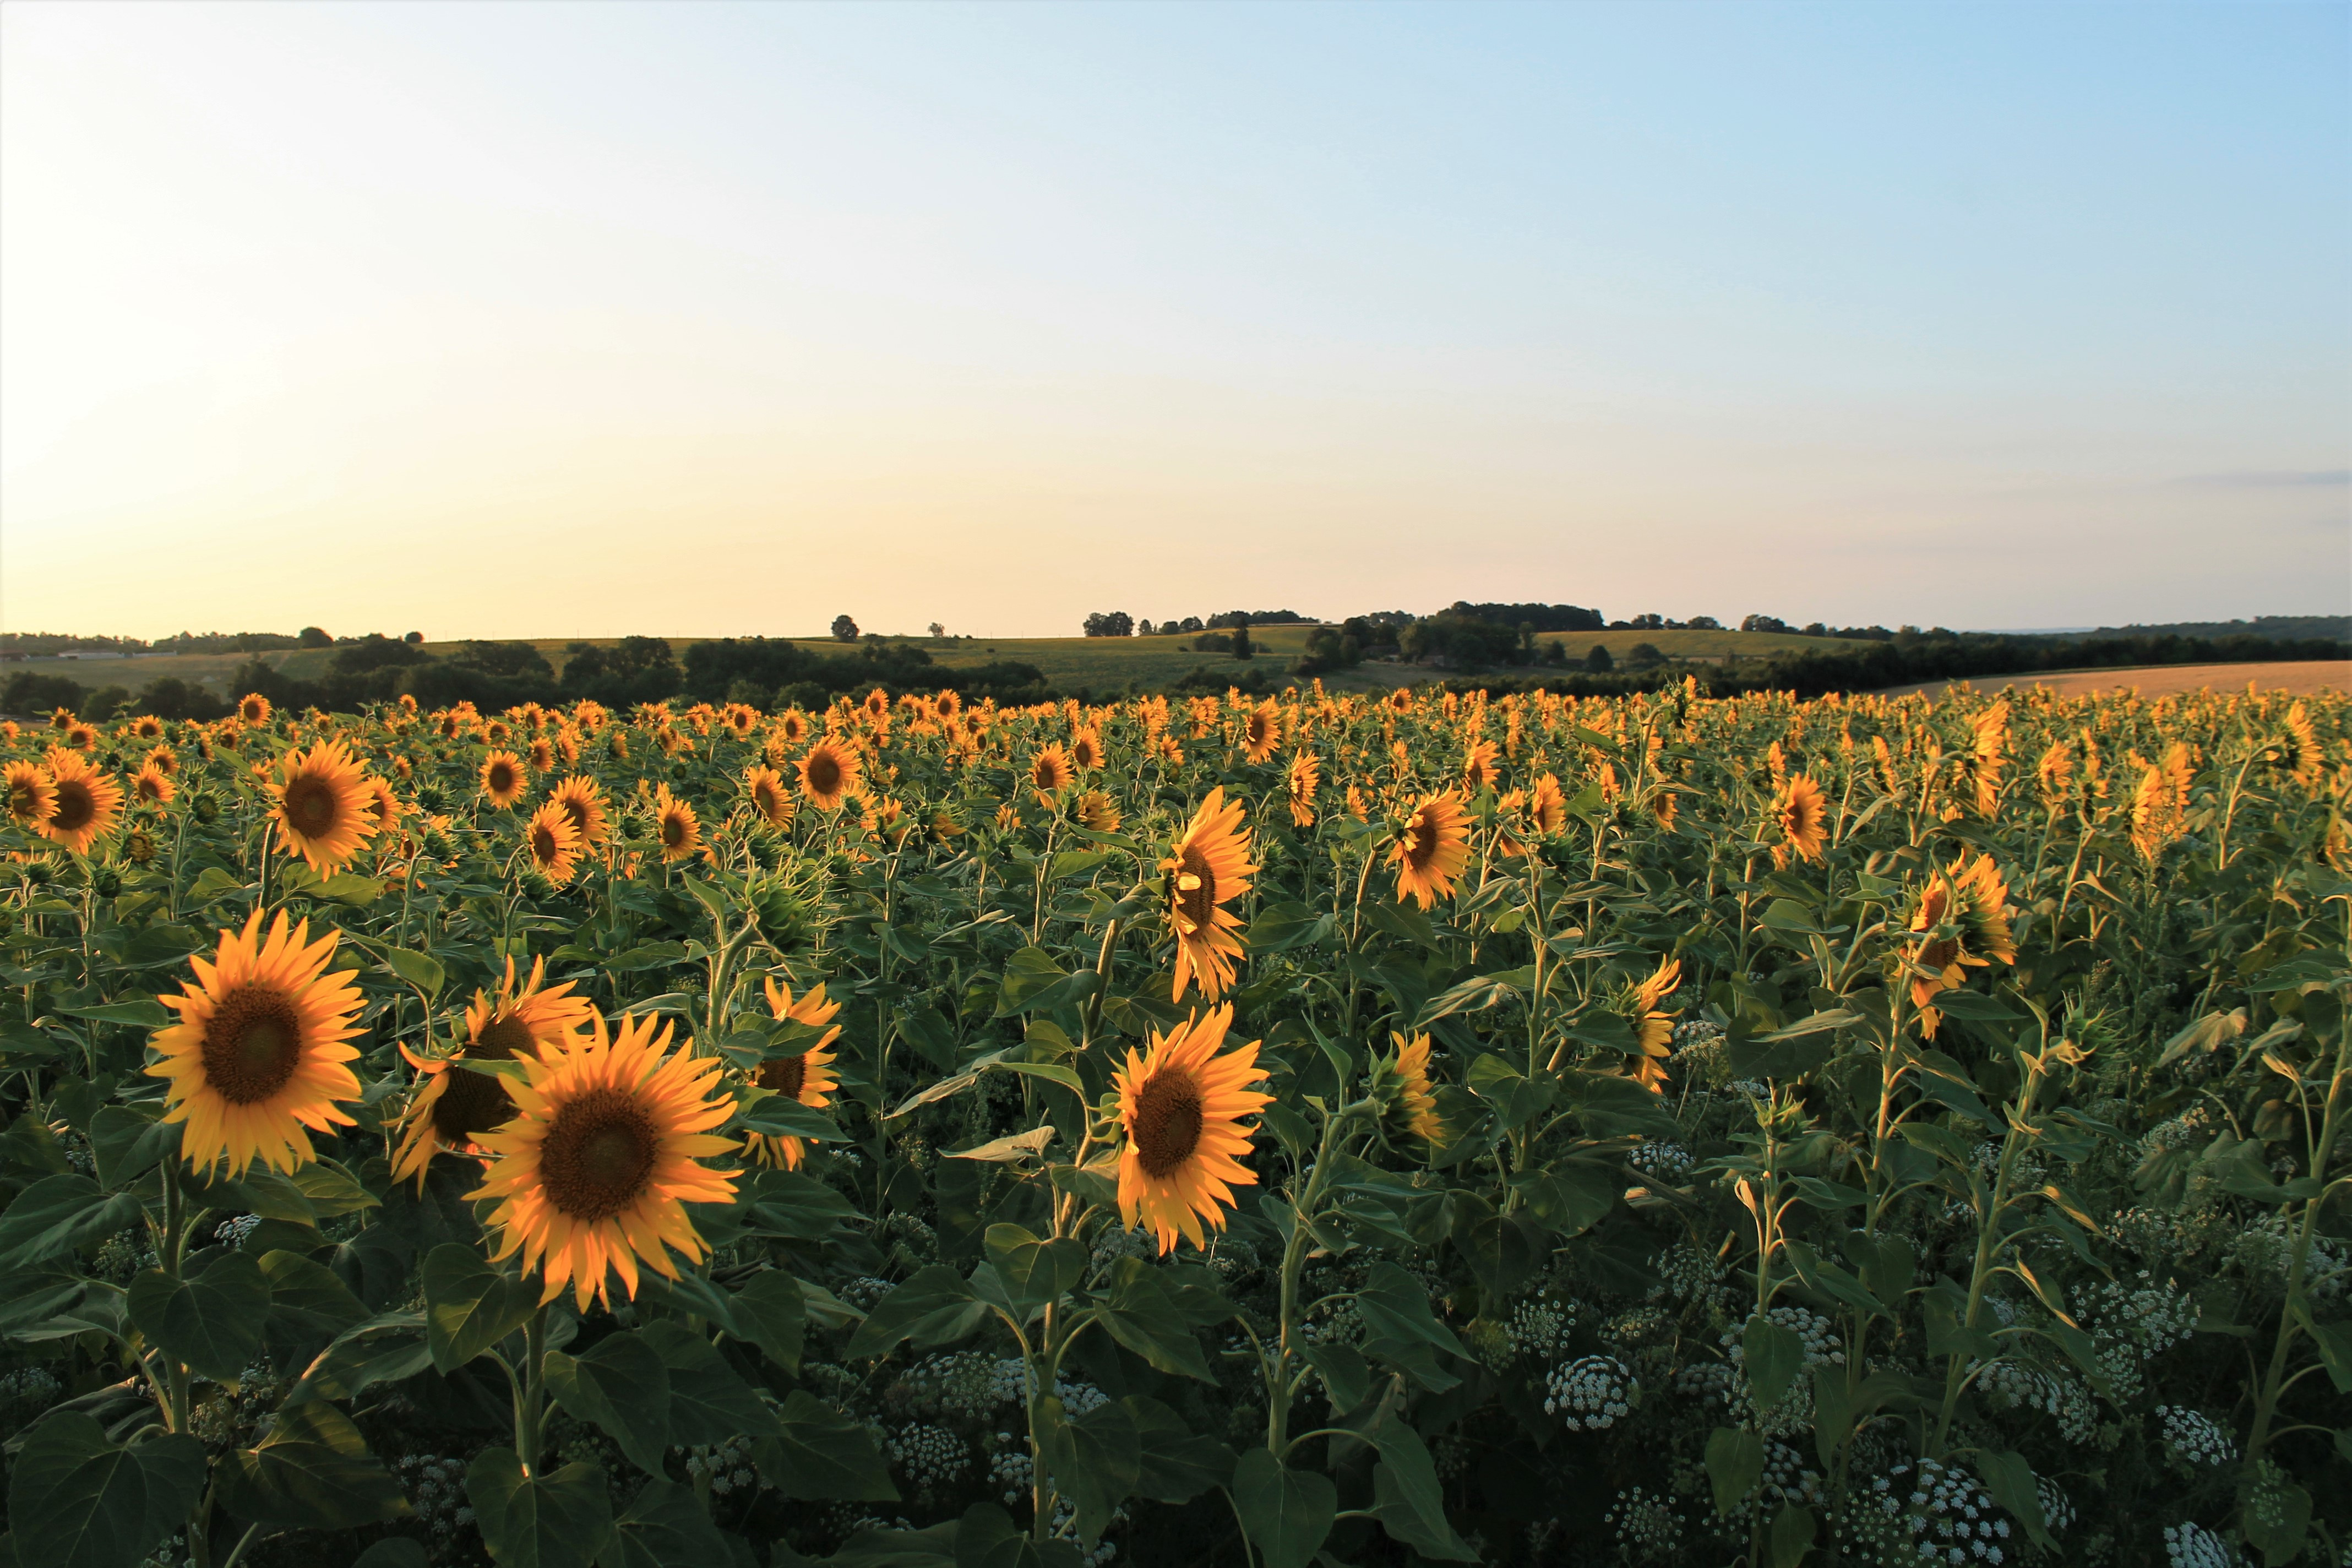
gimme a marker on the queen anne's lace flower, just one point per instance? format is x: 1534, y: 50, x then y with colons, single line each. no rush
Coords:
x: 1590, y: 1393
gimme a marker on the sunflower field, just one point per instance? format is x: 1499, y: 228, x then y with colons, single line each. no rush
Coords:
x: 1310, y: 1130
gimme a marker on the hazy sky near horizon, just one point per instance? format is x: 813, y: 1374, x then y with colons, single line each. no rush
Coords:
x: 547, y: 320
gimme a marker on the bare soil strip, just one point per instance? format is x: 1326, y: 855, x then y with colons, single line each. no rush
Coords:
x: 2297, y: 676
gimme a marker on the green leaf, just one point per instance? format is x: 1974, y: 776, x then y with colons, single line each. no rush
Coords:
x: 818, y: 1452
x: 60, y: 1214
x: 1036, y: 1273
x: 127, y: 1145
x: 2275, y: 1515
x: 331, y: 1190
x: 1278, y: 928
x: 313, y: 1471
x: 1472, y: 995
x: 1976, y: 1007
x: 1140, y: 1315
x: 708, y: 1403
x: 144, y: 1014
x: 384, y: 1349
x: 1792, y: 1536
x: 1774, y: 1356
x: 2333, y: 1342
x: 1406, y: 1497
x: 771, y: 1311
x: 421, y: 970
x: 211, y: 1321
x: 1515, y: 1097
x: 1174, y: 1465
x: 1394, y: 1305
x: 1011, y: 1147
x: 621, y: 1385
x: 665, y: 1526
x: 1347, y: 1380
x: 1286, y: 1513
x: 781, y: 1116
x: 349, y: 888
x: 90, y: 1504
x: 1787, y: 915
x: 558, y: 1520
x: 2011, y: 1481
x: 1095, y: 1466
x: 1028, y: 976
x: 1569, y: 1198
x: 1735, y: 1463
x: 469, y: 1305
x: 309, y: 1307
x: 934, y: 1306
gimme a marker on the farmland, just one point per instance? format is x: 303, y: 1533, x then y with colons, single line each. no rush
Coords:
x: 1404, y: 1126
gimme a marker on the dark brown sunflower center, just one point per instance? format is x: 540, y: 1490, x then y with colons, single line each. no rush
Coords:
x: 1419, y: 841
x: 252, y: 1044
x: 1167, y: 1122
x: 785, y: 1075
x: 598, y: 1152
x: 311, y: 804
x: 823, y: 773
x: 23, y: 800
x: 471, y: 1103
x: 76, y: 806
x: 544, y: 846
x: 1199, y: 901
x: 501, y: 778
x: 673, y: 830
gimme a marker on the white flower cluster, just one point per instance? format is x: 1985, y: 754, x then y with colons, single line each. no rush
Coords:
x: 232, y: 1232
x: 2189, y: 1545
x: 2057, y: 1508
x: 1665, y: 1161
x: 2191, y: 1128
x: 1635, y: 1324
x: 2015, y: 1386
x: 1707, y: 1380
x: 2078, y: 1415
x: 1590, y: 1393
x: 1013, y: 1470
x: 1951, y: 1519
x: 726, y: 1465
x: 864, y: 1290
x: 2194, y: 1438
x: 928, y: 1456
x: 969, y: 1384
x: 1111, y: 1244
x: 1647, y: 1528
x: 1786, y: 1481
x: 1821, y: 1346
x: 436, y: 1491
x: 2148, y: 1316
x: 1539, y: 1326
x: 1333, y: 1323
x: 1685, y: 1271
x: 2266, y: 1250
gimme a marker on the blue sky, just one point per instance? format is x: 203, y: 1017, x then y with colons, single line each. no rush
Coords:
x: 719, y: 318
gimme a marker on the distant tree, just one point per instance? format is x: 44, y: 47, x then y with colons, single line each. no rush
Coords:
x: 1644, y: 656
x: 844, y: 629
x: 1110, y: 624
x: 1703, y: 624
x: 1143, y: 627
x: 500, y: 658
x: 1597, y: 659
x: 413, y: 638
x: 1190, y: 623
x: 1555, y: 653
x: 938, y: 630
x: 1763, y: 624
x: 1242, y: 646
x: 314, y: 637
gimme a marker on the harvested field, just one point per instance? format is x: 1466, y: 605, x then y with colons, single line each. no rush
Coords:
x: 2298, y: 677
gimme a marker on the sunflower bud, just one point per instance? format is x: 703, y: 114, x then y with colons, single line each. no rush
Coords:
x: 105, y: 882
x: 1401, y: 1095
x: 205, y: 808
x: 39, y: 870
x: 439, y: 845
x: 139, y: 847
x: 536, y: 887
x: 432, y: 798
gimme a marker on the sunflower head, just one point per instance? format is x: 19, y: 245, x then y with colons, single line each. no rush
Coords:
x: 1959, y: 922
x: 1300, y: 781
x: 1800, y: 815
x: 503, y: 778
x: 1207, y: 868
x: 1181, y: 1107
x: 1401, y: 1095
x: 254, y: 708
x: 1098, y: 811
x: 676, y: 826
x: 32, y: 796
x: 1087, y: 749
x: 1050, y: 772
x: 807, y: 1077
x: 1262, y: 732
x: 769, y: 796
x: 326, y: 808
x: 153, y: 785
x: 84, y: 802
x: 1432, y: 849
x: 595, y: 1169
x: 829, y: 774
x: 553, y: 843
x: 1478, y: 769
x: 582, y: 800
x: 258, y: 1053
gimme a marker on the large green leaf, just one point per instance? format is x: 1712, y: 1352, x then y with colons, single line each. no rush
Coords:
x: 708, y: 1403
x: 84, y: 1502
x: 933, y: 1307
x: 384, y: 1349
x: 1286, y: 1513
x: 127, y: 1145
x: 212, y: 1320
x: 313, y: 1471
x: 818, y: 1452
x: 771, y: 1311
x: 1174, y: 1464
x: 1735, y: 1463
x: 621, y: 1385
x: 469, y: 1305
x: 58, y: 1214
x: 1035, y: 1273
x: 666, y: 1526
x: 1773, y: 1356
x: 1140, y: 1315
x: 1406, y: 1496
x: 309, y: 1307
x: 559, y: 1518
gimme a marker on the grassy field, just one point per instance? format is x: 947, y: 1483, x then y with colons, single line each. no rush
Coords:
x: 1097, y: 662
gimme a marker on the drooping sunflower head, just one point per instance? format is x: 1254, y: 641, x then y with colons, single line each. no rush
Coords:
x: 1262, y: 732
x: 1654, y: 1027
x: 1050, y: 772
x: 1478, y: 769
x: 595, y: 1169
x: 254, y: 708
x: 542, y: 754
x: 1401, y: 1094
x: 769, y: 796
x: 1960, y: 921
x: 384, y: 806
x: 1181, y: 1106
x: 1087, y: 749
x: 582, y: 800
x: 503, y: 778
x: 258, y: 1053
x: 676, y: 826
x: 1548, y: 808
x: 32, y: 796
x: 806, y: 1076
x: 325, y: 807
x: 2297, y: 749
x: 1208, y: 866
x: 84, y: 802
x: 1801, y: 812
x: 1098, y: 811
x: 829, y: 774
x: 1304, y: 777
x: 553, y: 843
x: 1432, y: 849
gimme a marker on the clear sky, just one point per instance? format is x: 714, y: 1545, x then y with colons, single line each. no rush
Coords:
x: 537, y: 319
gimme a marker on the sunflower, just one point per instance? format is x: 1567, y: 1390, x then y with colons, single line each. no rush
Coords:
x: 1087, y: 749
x: 61, y: 720
x: 1654, y: 1029
x: 828, y: 775
x: 82, y: 737
x: 949, y: 704
x: 1304, y: 778
x: 454, y: 1106
x: 383, y: 804
x: 147, y: 727
x: 1208, y: 866
x: 741, y: 718
x: 325, y: 807
x: 542, y: 755
x: 1478, y: 768
x: 32, y: 796
x: 1181, y: 1107
x: 1963, y: 923
x: 598, y: 1165
x: 503, y: 778
x: 1098, y: 811
x: 878, y: 703
x: 553, y: 842
x: 1401, y: 1088
x: 1548, y: 811
x: 2158, y: 804
x: 802, y: 1077
x: 153, y: 785
x: 259, y: 1052
x: 2055, y: 772
x: 582, y: 800
x: 1261, y: 735
x: 2297, y: 748
x: 769, y: 796
x: 676, y: 826
x: 163, y: 759
x: 254, y: 708
x: 1801, y: 813
x: 792, y: 725
x: 1433, y: 849
x: 1050, y: 772
x: 85, y: 802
